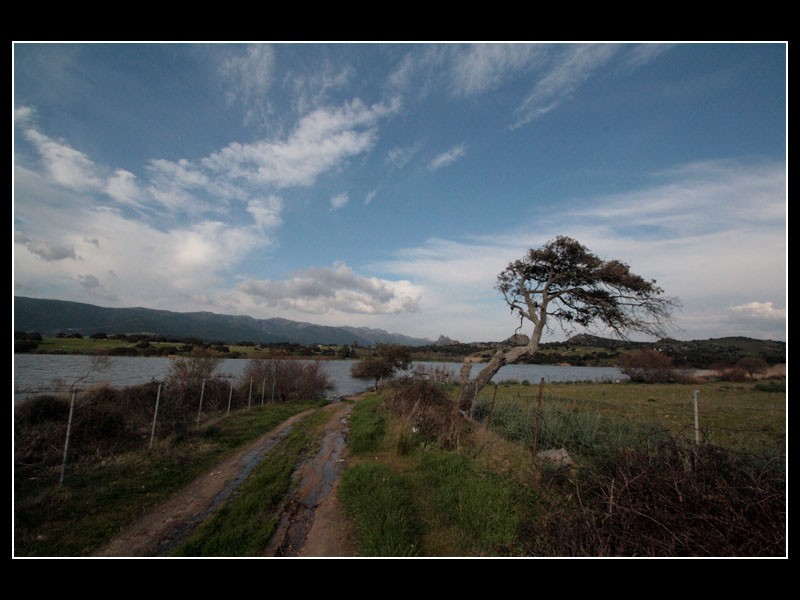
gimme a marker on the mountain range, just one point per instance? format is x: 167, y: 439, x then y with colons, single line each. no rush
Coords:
x: 50, y: 317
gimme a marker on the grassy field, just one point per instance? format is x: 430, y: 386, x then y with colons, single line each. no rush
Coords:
x: 642, y: 489
x: 734, y: 415
x: 100, y: 497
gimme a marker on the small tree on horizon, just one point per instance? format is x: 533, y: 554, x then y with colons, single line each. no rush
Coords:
x: 387, y: 359
x: 563, y: 282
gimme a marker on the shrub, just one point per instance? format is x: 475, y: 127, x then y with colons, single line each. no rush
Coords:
x: 426, y: 408
x: 290, y: 379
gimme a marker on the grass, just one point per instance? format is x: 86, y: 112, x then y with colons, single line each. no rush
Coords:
x: 733, y: 415
x: 367, y: 426
x: 381, y: 505
x: 244, y: 524
x: 641, y: 489
x: 98, y: 499
x: 468, y: 510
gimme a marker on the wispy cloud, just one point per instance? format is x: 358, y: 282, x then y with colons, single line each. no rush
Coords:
x: 447, y: 158
x: 479, y: 68
x: 266, y: 213
x: 66, y: 165
x: 249, y: 75
x: 402, y: 155
x: 714, y: 232
x: 313, y: 90
x: 370, y: 197
x: 339, y: 201
x: 338, y: 289
x: 571, y: 68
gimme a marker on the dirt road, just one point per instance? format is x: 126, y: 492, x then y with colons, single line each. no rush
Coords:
x: 311, y: 522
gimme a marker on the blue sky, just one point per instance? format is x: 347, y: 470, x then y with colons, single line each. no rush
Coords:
x: 386, y: 185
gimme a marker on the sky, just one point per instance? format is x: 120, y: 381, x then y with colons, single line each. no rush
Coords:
x: 387, y: 185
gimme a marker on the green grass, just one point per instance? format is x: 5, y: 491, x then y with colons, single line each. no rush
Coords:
x: 244, y: 524
x: 367, y: 426
x: 469, y: 510
x: 98, y: 499
x: 379, y: 501
x: 733, y: 415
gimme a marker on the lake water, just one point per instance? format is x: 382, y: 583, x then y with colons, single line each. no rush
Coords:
x: 37, y: 373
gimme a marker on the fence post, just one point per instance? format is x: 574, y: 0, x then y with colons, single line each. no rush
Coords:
x: 538, y: 416
x: 274, y: 377
x: 230, y: 396
x: 491, y: 408
x: 250, y: 393
x: 200, y: 410
x: 155, y: 417
x: 66, y: 441
x: 696, y: 427
x: 263, y: 387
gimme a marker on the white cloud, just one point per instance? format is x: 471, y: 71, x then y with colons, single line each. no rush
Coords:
x: 399, y: 157
x: 714, y: 232
x: 370, y: 197
x: 321, y: 141
x: 312, y: 90
x: 447, y: 158
x: 121, y: 186
x: 340, y: 289
x: 339, y: 201
x: 482, y: 67
x: 23, y: 115
x: 250, y: 76
x: 573, y: 65
x: 65, y: 165
x: 760, y: 310
x: 266, y: 213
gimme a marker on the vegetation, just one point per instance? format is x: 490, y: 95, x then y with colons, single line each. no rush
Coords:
x: 111, y: 478
x: 640, y: 486
x: 565, y: 283
x: 381, y: 505
x: 383, y: 363
x: 279, y: 380
x: 244, y: 524
x: 367, y: 426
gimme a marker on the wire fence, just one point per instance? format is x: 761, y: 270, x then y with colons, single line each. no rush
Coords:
x: 595, y: 426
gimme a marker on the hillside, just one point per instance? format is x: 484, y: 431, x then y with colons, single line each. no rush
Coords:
x: 49, y: 317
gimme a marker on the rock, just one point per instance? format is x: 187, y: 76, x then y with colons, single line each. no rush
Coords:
x: 556, y: 459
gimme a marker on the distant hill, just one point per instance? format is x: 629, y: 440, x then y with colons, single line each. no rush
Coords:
x: 49, y: 317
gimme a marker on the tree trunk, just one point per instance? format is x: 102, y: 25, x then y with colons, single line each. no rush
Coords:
x: 470, y: 388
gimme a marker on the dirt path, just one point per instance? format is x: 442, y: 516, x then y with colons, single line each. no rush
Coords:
x: 311, y: 523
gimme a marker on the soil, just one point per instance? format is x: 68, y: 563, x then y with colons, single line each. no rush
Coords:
x: 311, y: 522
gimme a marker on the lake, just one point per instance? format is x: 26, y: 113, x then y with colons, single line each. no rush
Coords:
x: 47, y: 373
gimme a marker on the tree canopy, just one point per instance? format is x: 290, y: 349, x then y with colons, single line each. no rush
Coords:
x: 563, y: 282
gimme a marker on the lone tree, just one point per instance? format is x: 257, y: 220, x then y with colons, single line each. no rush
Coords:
x: 387, y: 359
x: 563, y: 282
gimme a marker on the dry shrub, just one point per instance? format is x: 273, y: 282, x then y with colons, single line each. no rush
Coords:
x: 290, y: 379
x: 429, y: 414
x: 670, y: 503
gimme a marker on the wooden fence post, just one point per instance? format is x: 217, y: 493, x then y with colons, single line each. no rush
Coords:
x: 538, y: 416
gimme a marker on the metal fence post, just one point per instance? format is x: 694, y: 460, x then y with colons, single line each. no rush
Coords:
x: 66, y: 441
x: 250, y: 394
x: 155, y: 417
x: 200, y: 410
x: 263, y: 387
x: 230, y: 397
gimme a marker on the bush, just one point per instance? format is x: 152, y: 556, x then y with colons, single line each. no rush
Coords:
x: 646, y: 366
x: 670, y: 503
x: 426, y: 409
x: 290, y: 379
